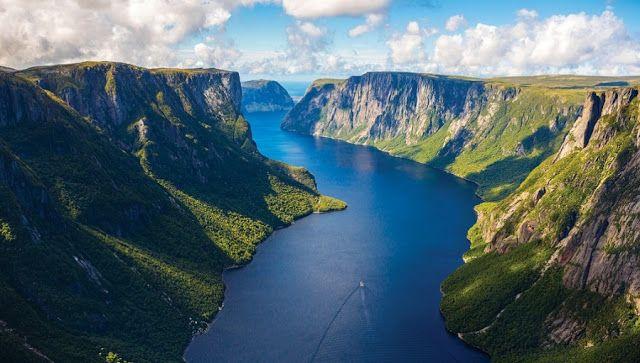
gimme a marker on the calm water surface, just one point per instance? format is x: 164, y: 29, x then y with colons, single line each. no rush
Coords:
x: 300, y: 300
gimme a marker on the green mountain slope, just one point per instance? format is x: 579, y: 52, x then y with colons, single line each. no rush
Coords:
x: 125, y: 192
x: 489, y: 131
x: 553, y: 270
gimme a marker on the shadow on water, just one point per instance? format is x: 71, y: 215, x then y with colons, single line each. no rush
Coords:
x: 300, y: 299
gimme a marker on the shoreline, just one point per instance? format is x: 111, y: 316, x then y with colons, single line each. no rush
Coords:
x: 241, y: 266
x: 476, y: 187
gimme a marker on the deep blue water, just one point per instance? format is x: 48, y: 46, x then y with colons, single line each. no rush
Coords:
x: 402, y: 234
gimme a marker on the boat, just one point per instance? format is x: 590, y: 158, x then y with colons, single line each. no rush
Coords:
x: 361, y: 283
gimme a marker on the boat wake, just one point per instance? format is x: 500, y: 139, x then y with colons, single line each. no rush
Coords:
x: 361, y: 287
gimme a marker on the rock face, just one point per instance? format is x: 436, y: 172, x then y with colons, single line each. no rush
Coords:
x: 264, y: 95
x: 601, y: 251
x: 556, y: 251
x: 472, y: 128
x: 378, y: 106
x: 582, y: 208
x: 124, y: 193
x: 162, y: 114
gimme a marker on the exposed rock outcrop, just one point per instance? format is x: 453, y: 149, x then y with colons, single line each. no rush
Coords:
x: 471, y: 127
x: 563, y: 248
x: 382, y: 105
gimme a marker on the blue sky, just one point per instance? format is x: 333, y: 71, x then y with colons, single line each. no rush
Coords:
x: 308, y: 39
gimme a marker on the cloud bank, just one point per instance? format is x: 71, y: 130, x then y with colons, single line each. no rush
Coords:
x: 191, y: 33
x: 142, y: 32
x: 574, y: 43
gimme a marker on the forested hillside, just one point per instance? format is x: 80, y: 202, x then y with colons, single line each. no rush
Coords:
x: 125, y: 192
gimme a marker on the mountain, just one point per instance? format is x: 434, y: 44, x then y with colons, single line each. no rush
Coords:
x: 263, y: 95
x: 553, y: 272
x: 491, y: 132
x: 6, y: 69
x: 554, y: 267
x: 125, y: 193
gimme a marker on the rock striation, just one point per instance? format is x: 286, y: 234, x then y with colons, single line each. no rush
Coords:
x: 473, y: 128
x: 582, y: 207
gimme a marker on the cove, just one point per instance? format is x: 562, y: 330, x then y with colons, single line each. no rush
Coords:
x: 300, y: 298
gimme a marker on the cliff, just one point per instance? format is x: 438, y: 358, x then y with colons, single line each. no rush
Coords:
x: 264, y: 95
x: 125, y: 192
x: 490, y: 132
x: 563, y: 248
x: 552, y: 273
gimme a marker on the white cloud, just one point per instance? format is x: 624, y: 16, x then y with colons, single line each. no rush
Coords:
x: 142, y: 32
x: 573, y: 43
x: 527, y: 14
x: 324, y: 8
x: 162, y: 33
x: 306, y: 52
x: 408, y: 47
x: 372, y: 21
x: 214, y: 54
x: 456, y: 22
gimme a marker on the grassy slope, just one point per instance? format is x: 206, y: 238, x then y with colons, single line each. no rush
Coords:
x: 104, y: 250
x: 488, y: 283
x: 491, y: 159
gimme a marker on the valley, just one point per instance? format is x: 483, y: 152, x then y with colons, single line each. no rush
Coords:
x: 552, y: 267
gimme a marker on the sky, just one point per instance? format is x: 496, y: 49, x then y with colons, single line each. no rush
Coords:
x: 301, y: 40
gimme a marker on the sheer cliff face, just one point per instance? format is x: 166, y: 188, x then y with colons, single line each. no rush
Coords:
x: 163, y: 115
x: 584, y: 200
x: 112, y: 93
x: 379, y: 106
x: 124, y: 193
x: 491, y: 133
x: 581, y: 210
x: 601, y: 249
x: 265, y: 96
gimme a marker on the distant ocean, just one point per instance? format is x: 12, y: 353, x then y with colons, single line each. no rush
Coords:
x: 296, y: 89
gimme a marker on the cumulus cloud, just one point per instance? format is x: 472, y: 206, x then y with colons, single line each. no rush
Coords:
x: 219, y: 54
x: 323, y: 8
x: 372, y: 21
x: 456, y: 22
x: 306, y: 52
x: 142, y: 32
x: 574, y: 43
x: 163, y: 33
x: 527, y: 14
x: 408, y: 47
